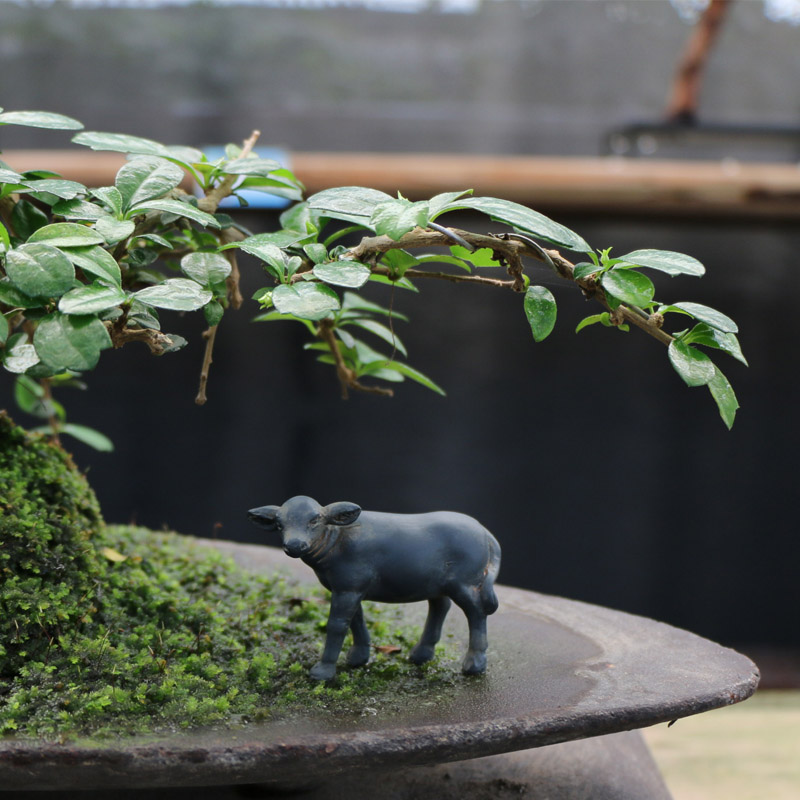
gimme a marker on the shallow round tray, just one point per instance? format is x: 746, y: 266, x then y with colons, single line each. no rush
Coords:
x: 558, y: 670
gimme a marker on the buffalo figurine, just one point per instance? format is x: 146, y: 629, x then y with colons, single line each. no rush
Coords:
x: 391, y: 558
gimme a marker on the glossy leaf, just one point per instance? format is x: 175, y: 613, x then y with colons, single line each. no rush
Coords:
x: 483, y: 257
x: 524, y: 220
x: 9, y: 176
x: 584, y: 270
x: 94, y: 439
x: 19, y: 355
x: 66, y: 234
x: 176, y: 294
x: 206, y: 268
x: 712, y: 337
x: 3, y: 328
x: 96, y: 261
x: 716, y: 319
x: 79, y: 209
x: 348, y: 203
x: 665, y: 261
x: 251, y: 165
x: 343, y: 273
x: 14, y: 298
x: 66, y: 190
x: 724, y: 396
x: 178, y: 208
x: 91, y: 299
x: 693, y: 365
x: 352, y: 302
x: 145, y: 179
x: 317, y: 252
x: 396, y: 283
x: 306, y: 300
x: 213, y: 312
x: 438, y: 203
x: 120, y: 143
x: 540, y: 309
x: 40, y: 270
x: 279, y: 239
x: 40, y: 119
x: 114, y: 230
x: 27, y: 219
x: 396, y: 217
x: 112, y: 197
x: 414, y: 374
x: 628, y: 286
x: 70, y: 342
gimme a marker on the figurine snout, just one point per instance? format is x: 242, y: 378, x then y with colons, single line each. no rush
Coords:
x: 295, y: 548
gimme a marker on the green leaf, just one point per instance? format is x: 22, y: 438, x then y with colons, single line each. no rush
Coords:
x: 279, y: 239
x: 96, y: 261
x: 213, y: 312
x: 114, y: 230
x: 628, y: 286
x: 440, y: 258
x: 89, y: 436
x: 438, y: 203
x: 79, y: 209
x: 306, y: 300
x: 70, y: 342
x: 381, y: 331
x: 603, y: 318
x: 66, y: 190
x: 693, y: 365
x: 352, y: 302
x: 147, y: 178
x: 120, y: 143
x: 483, y: 257
x: 522, y: 219
x: 712, y: 337
x: 251, y: 165
x: 177, y: 294
x: 9, y: 176
x: 206, y: 268
x: 66, y: 234
x: 348, y: 203
x: 317, y: 252
x: 27, y: 219
x: 724, y: 396
x: 19, y: 355
x: 5, y: 240
x: 178, y: 208
x: 410, y: 372
x: 396, y: 283
x: 3, y: 328
x: 540, y: 309
x: 32, y: 399
x: 396, y: 217
x: 39, y: 270
x: 14, y: 298
x: 343, y: 273
x: 665, y: 261
x: 584, y: 270
x: 40, y: 119
x: 112, y: 197
x: 716, y: 319
x: 91, y: 299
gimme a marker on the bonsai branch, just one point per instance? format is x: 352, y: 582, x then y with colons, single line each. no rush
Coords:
x: 347, y: 377
x: 157, y: 342
x: 210, y: 336
x: 215, y: 196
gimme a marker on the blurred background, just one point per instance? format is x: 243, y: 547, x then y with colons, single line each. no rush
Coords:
x: 605, y: 478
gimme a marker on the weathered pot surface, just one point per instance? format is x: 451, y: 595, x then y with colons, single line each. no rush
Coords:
x: 558, y: 670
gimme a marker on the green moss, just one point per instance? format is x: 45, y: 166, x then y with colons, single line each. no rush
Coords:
x: 107, y: 630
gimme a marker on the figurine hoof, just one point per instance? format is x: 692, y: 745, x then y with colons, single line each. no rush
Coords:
x: 323, y: 672
x: 474, y: 664
x: 421, y: 654
x: 357, y: 656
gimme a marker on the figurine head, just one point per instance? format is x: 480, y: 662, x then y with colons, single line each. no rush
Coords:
x: 301, y: 520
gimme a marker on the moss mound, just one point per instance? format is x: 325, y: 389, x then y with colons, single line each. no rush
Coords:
x: 112, y: 630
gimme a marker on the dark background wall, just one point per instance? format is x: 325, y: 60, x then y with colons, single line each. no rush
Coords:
x: 605, y: 478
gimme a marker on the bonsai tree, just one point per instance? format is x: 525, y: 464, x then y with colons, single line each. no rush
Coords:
x: 106, y: 628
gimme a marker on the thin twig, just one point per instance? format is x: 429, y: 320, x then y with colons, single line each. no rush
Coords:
x: 210, y: 336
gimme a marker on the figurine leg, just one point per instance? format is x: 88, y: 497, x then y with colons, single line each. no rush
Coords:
x: 343, y: 609
x: 358, y: 654
x: 475, y: 659
x: 424, y: 649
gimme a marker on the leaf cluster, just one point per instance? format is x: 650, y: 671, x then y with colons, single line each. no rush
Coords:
x: 86, y: 269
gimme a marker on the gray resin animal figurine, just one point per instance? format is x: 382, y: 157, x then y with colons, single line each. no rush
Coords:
x: 391, y: 558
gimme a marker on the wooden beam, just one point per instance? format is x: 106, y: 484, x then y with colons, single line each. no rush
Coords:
x: 609, y: 184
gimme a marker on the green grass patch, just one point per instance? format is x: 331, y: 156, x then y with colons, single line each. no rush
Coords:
x: 111, y: 630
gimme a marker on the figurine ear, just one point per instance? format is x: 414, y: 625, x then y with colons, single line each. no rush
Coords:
x: 265, y: 517
x: 341, y: 513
